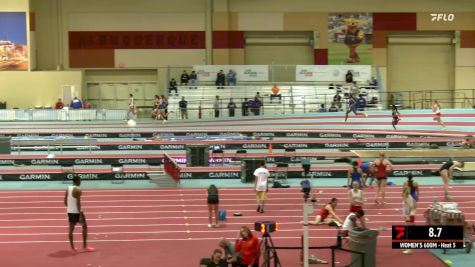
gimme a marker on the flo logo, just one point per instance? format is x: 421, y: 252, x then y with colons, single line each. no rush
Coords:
x: 400, y: 232
x: 442, y: 17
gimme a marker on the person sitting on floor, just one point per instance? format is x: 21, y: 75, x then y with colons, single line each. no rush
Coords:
x: 229, y: 252
x: 350, y: 222
x: 327, y: 215
x: 217, y: 259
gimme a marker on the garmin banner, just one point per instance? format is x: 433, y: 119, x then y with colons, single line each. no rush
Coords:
x: 193, y: 175
x: 332, y: 73
x: 69, y: 176
x: 248, y: 73
x: 297, y: 174
x: 342, y: 145
x: 82, y: 161
x: 225, y: 135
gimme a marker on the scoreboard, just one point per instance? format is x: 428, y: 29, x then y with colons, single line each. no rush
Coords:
x: 427, y: 237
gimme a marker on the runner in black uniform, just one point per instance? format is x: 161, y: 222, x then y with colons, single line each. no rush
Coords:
x: 446, y: 171
x: 395, y: 114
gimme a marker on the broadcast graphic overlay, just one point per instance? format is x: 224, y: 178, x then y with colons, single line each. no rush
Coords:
x: 427, y: 237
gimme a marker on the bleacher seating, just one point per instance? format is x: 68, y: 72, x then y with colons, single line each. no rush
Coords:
x: 295, y: 99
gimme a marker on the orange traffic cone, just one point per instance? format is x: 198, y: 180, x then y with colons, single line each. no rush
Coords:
x: 270, y: 148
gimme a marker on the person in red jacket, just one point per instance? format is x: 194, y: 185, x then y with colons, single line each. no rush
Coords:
x: 59, y: 104
x: 247, y: 245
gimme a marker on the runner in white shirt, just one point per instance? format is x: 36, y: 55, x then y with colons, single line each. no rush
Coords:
x: 72, y: 201
x: 438, y: 114
x: 132, y: 110
x: 350, y: 221
x: 261, y: 187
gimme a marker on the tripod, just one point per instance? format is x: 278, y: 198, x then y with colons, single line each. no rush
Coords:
x: 269, y: 254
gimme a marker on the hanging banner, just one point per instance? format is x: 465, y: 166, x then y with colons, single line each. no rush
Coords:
x: 332, y: 73
x: 247, y: 73
x: 350, y: 38
x: 13, y: 43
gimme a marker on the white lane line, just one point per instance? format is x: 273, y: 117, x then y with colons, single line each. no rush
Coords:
x: 223, y: 201
x: 65, y: 226
x: 227, y: 194
x: 150, y: 232
x: 173, y: 190
x: 341, y: 206
x: 273, y: 217
x: 369, y: 212
x: 249, y: 198
x: 166, y: 239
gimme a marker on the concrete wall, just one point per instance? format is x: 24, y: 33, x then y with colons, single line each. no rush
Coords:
x: 38, y: 88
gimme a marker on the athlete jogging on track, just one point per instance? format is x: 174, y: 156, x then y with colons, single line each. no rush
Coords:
x: 353, y: 107
x: 395, y: 115
x: 438, y: 115
x: 72, y: 200
x: 382, y: 166
x: 446, y: 171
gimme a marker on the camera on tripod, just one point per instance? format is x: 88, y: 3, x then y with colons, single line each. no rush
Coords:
x: 266, y: 227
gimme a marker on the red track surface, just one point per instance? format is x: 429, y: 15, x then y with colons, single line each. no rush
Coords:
x: 168, y: 227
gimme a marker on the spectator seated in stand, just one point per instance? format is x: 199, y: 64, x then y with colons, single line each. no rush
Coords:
x: 333, y: 108
x: 373, y: 101
x: 322, y: 108
x: 172, y: 86
x: 468, y: 142
x: 255, y: 106
x: 373, y: 83
x: 59, y: 104
x: 275, y: 93
x: 361, y: 102
x: 337, y: 100
x: 75, y: 103
x: 184, y: 78
x: 85, y: 104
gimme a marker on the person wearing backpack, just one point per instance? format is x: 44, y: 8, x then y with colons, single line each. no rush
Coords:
x: 213, y: 205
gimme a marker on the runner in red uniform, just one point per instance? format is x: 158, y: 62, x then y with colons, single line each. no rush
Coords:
x: 382, y: 167
x: 327, y: 215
